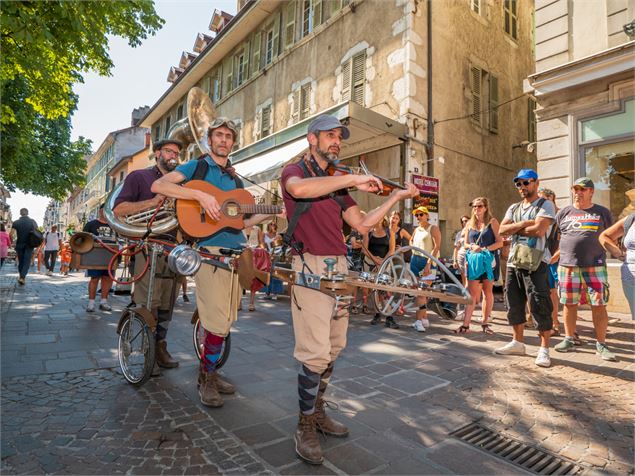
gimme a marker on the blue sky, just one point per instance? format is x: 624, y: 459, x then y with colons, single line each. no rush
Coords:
x: 138, y: 79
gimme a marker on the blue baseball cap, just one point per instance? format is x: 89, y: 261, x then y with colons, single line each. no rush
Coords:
x: 327, y: 123
x: 526, y: 174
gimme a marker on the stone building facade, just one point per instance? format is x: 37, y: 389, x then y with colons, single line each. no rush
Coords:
x: 276, y: 64
x: 584, y: 86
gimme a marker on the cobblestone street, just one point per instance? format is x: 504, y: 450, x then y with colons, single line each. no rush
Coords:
x: 66, y: 409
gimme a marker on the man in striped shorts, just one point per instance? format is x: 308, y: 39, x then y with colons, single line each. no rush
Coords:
x: 582, y: 272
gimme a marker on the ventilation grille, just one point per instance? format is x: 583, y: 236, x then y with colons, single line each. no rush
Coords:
x: 528, y: 457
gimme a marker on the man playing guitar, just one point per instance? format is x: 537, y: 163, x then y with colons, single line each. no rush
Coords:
x: 136, y: 196
x: 319, y: 337
x: 218, y: 291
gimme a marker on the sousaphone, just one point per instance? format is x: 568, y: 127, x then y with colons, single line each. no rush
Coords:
x: 191, y: 131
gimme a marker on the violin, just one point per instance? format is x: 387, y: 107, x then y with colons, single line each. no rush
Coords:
x: 388, y: 185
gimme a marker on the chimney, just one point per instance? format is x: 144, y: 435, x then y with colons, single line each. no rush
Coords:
x: 137, y: 114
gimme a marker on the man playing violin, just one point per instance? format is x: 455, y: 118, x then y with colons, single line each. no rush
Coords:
x: 136, y: 196
x: 218, y: 291
x: 319, y: 337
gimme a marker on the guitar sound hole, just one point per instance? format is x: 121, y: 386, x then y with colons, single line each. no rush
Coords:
x: 232, y: 209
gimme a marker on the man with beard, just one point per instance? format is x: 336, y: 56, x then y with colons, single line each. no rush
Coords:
x: 217, y: 290
x: 317, y: 205
x: 136, y: 196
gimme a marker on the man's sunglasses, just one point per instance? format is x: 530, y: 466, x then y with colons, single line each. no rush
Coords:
x: 520, y: 183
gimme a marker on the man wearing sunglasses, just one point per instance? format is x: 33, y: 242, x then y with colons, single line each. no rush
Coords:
x: 317, y: 205
x: 218, y: 292
x: 528, y: 223
x: 135, y: 196
x: 582, y: 270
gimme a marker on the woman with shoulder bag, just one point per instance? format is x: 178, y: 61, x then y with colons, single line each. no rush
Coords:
x: 481, y: 240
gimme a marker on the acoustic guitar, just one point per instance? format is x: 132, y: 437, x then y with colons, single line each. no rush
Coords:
x: 196, y: 223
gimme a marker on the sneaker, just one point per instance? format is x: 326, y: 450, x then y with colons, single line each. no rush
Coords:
x: 566, y: 345
x: 419, y: 327
x: 603, y: 351
x: 511, y: 348
x: 105, y: 307
x: 90, y: 308
x: 185, y: 298
x: 49, y: 273
x: 375, y: 320
x: 424, y: 322
x: 274, y: 297
x: 21, y: 281
x: 542, y: 359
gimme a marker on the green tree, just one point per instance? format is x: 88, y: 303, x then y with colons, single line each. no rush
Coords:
x: 46, y: 48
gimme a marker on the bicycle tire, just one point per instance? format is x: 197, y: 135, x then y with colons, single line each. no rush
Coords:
x: 133, y: 328
x: 197, y: 339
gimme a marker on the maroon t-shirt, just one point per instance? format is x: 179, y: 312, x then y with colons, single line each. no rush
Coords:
x: 138, y: 185
x: 319, y: 228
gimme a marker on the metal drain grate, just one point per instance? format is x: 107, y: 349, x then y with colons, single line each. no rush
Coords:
x: 528, y: 457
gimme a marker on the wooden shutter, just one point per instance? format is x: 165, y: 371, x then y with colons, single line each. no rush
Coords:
x: 255, y: 58
x: 265, y: 122
x: 476, y: 6
x: 493, y: 103
x: 346, y: 81
x: 359, y: 75
x: 276, y: 36
x: 475, y: 88
x: 295, y: 112
x: 305, y: 97
x: 317, y: 13
x: 289, y: 31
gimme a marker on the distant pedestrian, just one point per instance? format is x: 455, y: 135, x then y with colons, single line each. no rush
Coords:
x: 609, y: 239
x: 52, y: 245
x: 270, y: 239
x: 100, y: 228
x: 5, y: 242
x: 65, y: 259
x: 458, y: 256
x: 528, y: 223
x: 582, y: 270
x: 27, y: 236
x: 482, y: 240
x: 427, y: 237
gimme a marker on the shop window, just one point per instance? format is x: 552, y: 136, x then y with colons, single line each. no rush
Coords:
x: 510, y: 14
x: 607, y: 150
x: 354, y: 79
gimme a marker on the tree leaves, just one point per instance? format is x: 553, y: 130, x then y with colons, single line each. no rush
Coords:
x: 46, y: 47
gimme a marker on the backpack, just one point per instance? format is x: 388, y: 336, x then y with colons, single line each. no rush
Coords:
x: 551, y: 240
x: 201, y: 171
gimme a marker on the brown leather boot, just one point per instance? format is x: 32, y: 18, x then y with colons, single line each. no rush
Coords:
x: 326, y: 424
x: 223, y: 386
x: 208, y: 392
x: 307, y: 444
x: 164, y: 359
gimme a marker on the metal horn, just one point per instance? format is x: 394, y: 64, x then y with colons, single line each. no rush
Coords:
x: 82, y: 242
x: 191, y: 131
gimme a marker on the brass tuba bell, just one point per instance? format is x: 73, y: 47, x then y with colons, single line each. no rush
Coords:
x: 191, y: 131
x: 82, y: 242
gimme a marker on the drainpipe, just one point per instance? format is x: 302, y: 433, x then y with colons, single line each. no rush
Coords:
x: 430, y: 144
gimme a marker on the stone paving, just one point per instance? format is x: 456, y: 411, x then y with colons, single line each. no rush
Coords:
x: 67, y: 410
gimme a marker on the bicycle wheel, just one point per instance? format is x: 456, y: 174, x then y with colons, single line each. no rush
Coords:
x: 198, y: 337
x: 136, y: 349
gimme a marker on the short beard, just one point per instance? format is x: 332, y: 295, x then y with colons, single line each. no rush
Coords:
x: 330, y: 158
x: 219, y: 154
x: 165, y: 164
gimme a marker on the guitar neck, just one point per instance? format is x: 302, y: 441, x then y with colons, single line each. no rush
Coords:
x: 260, y: 209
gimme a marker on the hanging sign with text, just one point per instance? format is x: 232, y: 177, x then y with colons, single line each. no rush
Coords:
x: 429, y: 196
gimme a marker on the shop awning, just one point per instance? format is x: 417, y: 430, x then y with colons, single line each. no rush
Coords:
x: 268, y: 165
x: 370, y: 131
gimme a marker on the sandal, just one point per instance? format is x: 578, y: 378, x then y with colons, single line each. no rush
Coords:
x: 487, y: 329
x: 555, y: 332
x: 354, y: 310
x: 252, y: 307
x: 576, y: 339
x: 462, y: 330
x: 365, y: 309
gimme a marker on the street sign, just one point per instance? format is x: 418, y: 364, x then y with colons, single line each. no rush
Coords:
x: 429, y: 197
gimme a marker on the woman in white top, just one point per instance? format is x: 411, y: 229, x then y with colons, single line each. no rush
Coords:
x: 427, y: 237
x: 626, y: 253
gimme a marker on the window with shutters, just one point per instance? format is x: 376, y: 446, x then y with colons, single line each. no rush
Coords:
x: 269, y: 36
x: 216, y: 85
x: 168, y: 121
x: 265, y: 121
x: 311, y: 15
x: 157, y: 132
x: 531, y: 119
x: 476, y: 6
x: 241, y: 68
x: 179, y: 112
x: 305, y: 100
x: 256, y: 63
x: 228, y: 66
x: 510, y: 14
x: 289, y: 24
x: 354, y: 78
x: 484, y: 99
x: 475, y: 92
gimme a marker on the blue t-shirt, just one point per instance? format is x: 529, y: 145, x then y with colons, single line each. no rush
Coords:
x: 227, y: 238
